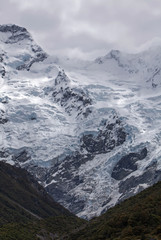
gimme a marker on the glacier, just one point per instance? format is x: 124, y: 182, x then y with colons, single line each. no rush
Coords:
x: 89, y: 131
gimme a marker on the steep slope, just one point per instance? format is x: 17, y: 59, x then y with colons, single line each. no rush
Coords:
x: 136, y: 218
x: 26, y: 208
x: 20, y: 189
x: 18, y: 49
x: 90, y: 134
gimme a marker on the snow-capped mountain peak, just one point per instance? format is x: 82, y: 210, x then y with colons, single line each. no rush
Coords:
x: 62, y: 79
x: 12, y: 33
x: 89, y: 133
x: 18, y: 49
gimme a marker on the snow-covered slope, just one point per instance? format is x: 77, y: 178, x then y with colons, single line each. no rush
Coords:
x: 89, y: 133
x: 142, y: 67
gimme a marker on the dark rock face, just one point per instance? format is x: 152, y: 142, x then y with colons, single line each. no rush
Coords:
x: 12, y: 28
x: 2, y: 72
x: 1, y: 57
x: 108, y: 138
x: 62, y: 78
x: 127, y: 164
x: 66, y: 179
x: 18, y: 156
x: 3, y: 118
x: 4, y: 100
x: 71, y: 94
x: 149, y: 177
x: 71, y: 98
x: 33, y: 116
x: 40, y: 57
x: 21, y: 156
x: 3, y: 154
x: 17, y: 33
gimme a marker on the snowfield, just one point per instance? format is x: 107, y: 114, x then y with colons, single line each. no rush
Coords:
x: 91, y: 133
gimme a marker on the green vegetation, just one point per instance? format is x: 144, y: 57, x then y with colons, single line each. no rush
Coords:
x: 19, y: 187
x: 138, y: 218
x: 47, y: 229
x: 27, y: 212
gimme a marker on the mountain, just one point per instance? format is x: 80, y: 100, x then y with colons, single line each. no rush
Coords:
x: 88, y: 131
x: 144, y: 67
x: 18, y: 50
x: 27, y: 211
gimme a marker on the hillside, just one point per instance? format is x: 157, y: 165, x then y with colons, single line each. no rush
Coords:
x: 137, y: 218
x: 26, y: 210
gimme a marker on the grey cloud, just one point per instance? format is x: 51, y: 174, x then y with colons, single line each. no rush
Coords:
x: 89, y: 27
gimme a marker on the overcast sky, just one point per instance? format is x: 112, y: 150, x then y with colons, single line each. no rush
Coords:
x: 86, y: 28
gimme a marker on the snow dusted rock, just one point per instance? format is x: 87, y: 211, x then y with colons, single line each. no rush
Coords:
x: 127, y: 164
x: 107, y: 138
x: 150, y: 176
x: 19, y: 50
x: 2, y: 71
x: 3, y: 118
x: 72, y: 99
x: 144, y: 66
x: 20, y: 155
x: 64, y: 178
x: 13, y: 33
x: 4, y: 99
x: 90, y: 133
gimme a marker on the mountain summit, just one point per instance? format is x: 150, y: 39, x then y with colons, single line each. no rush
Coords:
x: 18, y: 49
x: 14, y: 34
